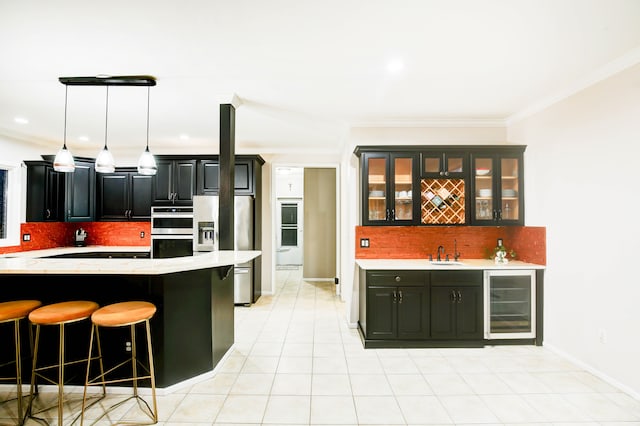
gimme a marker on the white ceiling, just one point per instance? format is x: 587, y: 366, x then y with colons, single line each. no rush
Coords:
x: 306, y: 71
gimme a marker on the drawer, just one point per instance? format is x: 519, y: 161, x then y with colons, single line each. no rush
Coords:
x: 417, y: 278
x: 459, y: 278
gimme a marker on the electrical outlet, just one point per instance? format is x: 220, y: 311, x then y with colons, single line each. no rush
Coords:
x: 141, y: 234
x: 127, y: 346
x: 364, y: 242
x: 26, y: 237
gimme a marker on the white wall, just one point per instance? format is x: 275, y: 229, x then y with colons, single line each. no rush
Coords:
x: 582, y: 180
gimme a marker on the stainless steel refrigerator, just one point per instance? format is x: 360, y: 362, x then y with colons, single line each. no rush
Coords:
x: 205, y: 237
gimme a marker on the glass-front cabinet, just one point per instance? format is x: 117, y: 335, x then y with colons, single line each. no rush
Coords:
x: 390, y: 188
x: 438, y: 164
x: 497, y: 189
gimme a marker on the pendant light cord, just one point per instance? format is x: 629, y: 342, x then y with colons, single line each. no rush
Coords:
x: 106, y: 118
x: 64, y: 142
x: 148, y: 98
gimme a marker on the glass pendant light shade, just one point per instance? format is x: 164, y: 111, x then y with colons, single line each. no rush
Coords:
x: 64, y: 160
x: 104, y: 162
x: 147, y: 162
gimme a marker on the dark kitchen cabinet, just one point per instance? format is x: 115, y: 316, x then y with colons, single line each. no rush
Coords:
x: 444, y: 164
x: 124, y: 195
x: 456, y: 305
x: 390, y: 188
x: 209, y: 177
x: 397, y: 304
x: 497, y: 188
x: 55, y: 196
x: 45, y: 192
x: 175, y: 182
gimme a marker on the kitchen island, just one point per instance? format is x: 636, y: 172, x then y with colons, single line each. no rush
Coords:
x: 192, y: 329
x: 468, y: 303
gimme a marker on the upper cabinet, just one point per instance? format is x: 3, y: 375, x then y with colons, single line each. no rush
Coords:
x: 175, y: 182
x: 497, y: 188
x: 440, y: 185
x: 443, y: 164
x: 124, y: 195
x: 209, y: 177
x: 390, y: 188
x: 56, y: 196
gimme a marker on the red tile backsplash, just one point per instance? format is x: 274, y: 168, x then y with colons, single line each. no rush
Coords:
x: 416, y: 242
x: 61, y: 234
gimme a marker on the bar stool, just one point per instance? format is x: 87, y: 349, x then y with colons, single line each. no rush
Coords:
x: 121, y: 315
x: 15, y: 311
x: 57, y: 314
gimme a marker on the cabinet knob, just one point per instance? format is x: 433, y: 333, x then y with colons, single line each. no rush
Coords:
x: 398, y: 279
x: 446, y: 173
x: 441, y: 173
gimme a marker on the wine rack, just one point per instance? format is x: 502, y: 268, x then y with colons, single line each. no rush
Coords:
x: 442, y: 201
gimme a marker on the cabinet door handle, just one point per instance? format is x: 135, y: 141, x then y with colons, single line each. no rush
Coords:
x: 393, y: 214
x: 495, y: 215
x: 499, y: 214
x: 395, y: 297
x: 452, y: 296
x: 48, y: 213
x: 400, y: 293
x: 388, y: 214
x: 459, y: 297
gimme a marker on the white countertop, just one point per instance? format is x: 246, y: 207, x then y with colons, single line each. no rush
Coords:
x: 425, y: 264
x: 33, y: 262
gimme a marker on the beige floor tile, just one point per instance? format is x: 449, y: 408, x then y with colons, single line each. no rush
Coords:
x: 408, y: 384
x: 512, y: 409
x: 399, y: 365
x: 370, y: 385
x: 328, y: 350
x: 291, y: 384
x: 330, y: 384
x: 287, y: 410
x: 198, y: 408
x: 600, y: 408
x: 523, y: 383
x: 448, y: 384
x: 220, y: 384
x: 423, y: 410
x: 378, y: 410
x: 252, y: 384
x: 329, y: 365
x: 468, y: 409
x: 295, y: 365
x: 297, y: 349
x: 486, y: 384
x: 332, y: 410
x: 555, y: 408
x: 358, y: 365
x: 243, y: 409
x: 260, y: 364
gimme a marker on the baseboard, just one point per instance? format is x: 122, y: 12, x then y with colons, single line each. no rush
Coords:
x: 352, y: 324
x: 318, y: 279
x: 610, y: 380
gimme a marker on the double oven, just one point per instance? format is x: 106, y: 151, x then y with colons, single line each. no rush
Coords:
x: 171, y: 231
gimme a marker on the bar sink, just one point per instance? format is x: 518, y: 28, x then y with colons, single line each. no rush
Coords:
x: 446, y: 262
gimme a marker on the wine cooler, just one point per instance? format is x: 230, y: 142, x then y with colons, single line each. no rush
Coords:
x: 510, y: 304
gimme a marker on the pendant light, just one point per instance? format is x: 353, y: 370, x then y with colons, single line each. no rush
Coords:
x: 147, y: 162
x: 105, y: 162
x: 64, y: 160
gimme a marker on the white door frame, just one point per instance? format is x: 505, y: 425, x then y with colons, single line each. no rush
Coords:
x: 300, y: 226
x: 274, y: 225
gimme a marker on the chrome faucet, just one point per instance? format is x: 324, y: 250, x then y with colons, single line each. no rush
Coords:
x: 440, y: 253
x: 456, y: 255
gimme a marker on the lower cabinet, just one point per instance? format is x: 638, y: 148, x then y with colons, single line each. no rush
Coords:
x: 456, y: 311
x: 421, y: 307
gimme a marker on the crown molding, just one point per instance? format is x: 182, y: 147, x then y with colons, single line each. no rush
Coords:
x: 432, y: 122
x: 618, y: 65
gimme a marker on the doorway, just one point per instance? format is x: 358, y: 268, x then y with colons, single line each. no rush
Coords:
x: 305, y: 221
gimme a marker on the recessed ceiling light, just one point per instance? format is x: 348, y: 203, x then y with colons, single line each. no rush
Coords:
x: 21, y: 120
x: 395, y: 66
x: 83, y: 138
x: 184, y: 137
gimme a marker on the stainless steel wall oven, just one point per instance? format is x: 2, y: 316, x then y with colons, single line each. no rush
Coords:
x: 171, y: 231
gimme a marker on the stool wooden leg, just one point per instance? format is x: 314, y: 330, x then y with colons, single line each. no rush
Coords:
x: 33, y: 371
x: 61, y: 375
x: 152, y: 372
x: 16, y: 332
x: 134, y: 360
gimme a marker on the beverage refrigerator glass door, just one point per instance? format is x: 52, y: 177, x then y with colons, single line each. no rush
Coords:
x: 510, y: 304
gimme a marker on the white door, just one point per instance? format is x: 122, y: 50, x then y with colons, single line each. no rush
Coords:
x: 290, y: 231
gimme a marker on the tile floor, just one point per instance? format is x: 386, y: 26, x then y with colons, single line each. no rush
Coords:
x: 296, y: 363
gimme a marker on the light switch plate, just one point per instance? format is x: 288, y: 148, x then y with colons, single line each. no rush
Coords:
x: 26, y: 237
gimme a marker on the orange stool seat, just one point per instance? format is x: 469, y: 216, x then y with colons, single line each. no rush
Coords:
x: 121, y: 314
x: 17, y: 309
x: 63, y: 312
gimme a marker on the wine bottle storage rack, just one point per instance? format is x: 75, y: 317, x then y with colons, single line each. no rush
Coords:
x: 452, y: 209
